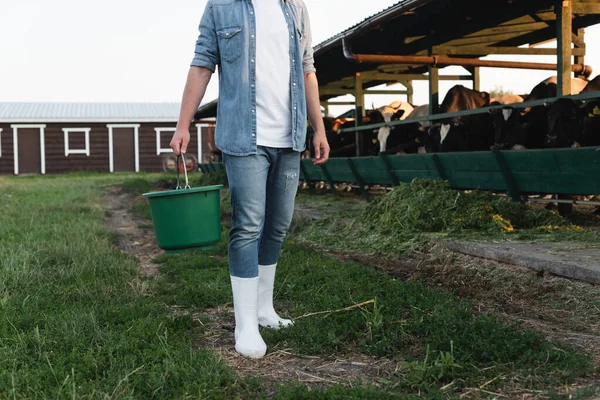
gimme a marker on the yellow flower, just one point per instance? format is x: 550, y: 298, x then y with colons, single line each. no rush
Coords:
x: 504, y: 223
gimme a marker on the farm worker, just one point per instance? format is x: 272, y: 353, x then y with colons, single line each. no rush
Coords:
x: 267, y: 87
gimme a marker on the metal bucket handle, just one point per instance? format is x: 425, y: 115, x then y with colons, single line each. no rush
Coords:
x: 187, y: 184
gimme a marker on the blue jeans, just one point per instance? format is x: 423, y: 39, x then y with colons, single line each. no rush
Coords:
x: 263, y: 187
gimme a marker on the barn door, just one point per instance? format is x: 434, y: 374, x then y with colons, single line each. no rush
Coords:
x: 29, y: 149
x: 123, y: 148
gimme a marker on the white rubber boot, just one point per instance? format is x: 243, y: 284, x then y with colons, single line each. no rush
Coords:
x: 248, y: 341
x: 267, y: 316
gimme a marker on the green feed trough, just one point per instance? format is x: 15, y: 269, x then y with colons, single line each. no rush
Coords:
x: 186, y: 218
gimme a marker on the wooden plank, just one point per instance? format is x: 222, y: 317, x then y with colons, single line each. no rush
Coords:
x: 564, y: 29
x: 410, y: 77
x: 359, y: 98
x: 586, y: 8
x: 485, y: 50
x: 340, y: 103
x: 401, y: 92
x: 579, y: 58
x: 509, y: 28
x: 411, y: 90
x: 434, y: 90
x: 476, y: 78
x: 482, y: 39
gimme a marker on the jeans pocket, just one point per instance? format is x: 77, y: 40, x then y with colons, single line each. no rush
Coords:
x: 230, y: 43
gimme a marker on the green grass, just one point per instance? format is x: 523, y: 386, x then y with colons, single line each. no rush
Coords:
x: 72, y: 323
x: 75, y: 323
x: 440, y: 340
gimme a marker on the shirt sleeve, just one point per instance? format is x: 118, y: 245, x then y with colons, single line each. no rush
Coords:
x: 308, y: 61
x: 206, y: 53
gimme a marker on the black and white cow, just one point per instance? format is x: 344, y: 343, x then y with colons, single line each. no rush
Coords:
x: 550, y: 125
x: 396, y: 111
x: 468, y: 133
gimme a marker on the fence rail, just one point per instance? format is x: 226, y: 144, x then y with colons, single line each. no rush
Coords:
x: 547, y: 171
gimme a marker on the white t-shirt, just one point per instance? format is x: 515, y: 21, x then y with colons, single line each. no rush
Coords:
x: 273, y: 92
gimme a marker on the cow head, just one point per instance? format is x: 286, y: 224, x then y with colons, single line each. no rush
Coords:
x: 453, y: 136
x: 432, y: 139
x: 507, y: 128
x: 385, y: 114
x: 563, y: 124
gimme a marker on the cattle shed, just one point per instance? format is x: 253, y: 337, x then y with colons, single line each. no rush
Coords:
x: 413, y: 39
x: 104, y: 137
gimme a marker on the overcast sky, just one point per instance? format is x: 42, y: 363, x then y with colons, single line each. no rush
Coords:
x: 134, y: 50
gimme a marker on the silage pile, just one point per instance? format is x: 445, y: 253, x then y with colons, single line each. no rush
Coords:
x: 432, y: 206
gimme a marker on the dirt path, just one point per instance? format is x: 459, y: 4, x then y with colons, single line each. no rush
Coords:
x: 565, y: 310
x: 136, y: 237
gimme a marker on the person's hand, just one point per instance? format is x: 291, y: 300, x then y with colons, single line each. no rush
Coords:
x: 180, y: 141
x: 321, y: 148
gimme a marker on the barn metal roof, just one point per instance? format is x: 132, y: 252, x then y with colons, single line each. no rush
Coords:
x: 42, y: 112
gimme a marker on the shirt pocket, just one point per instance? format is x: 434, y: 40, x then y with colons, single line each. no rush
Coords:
x: 230, y: 43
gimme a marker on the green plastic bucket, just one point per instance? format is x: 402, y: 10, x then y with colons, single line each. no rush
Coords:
x: 186, y: 217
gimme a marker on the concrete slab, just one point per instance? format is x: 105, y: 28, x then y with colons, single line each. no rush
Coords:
x: 578, y: 260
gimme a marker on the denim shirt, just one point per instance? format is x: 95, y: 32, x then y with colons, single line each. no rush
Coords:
x: 227, y: 40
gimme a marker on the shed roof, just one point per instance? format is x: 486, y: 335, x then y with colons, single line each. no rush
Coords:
x: 43, y: 112
x: 463, y: 28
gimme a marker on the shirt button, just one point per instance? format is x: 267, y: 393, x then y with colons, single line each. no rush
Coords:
x: 251, y: 13
x: 251, y: 60
x: 252, y: 85
x: 253, y: 110
x: 252, y: 36
x: 293, y: 60
x: 294, y: 83
x: 294, y: 108
x: 253, y: 135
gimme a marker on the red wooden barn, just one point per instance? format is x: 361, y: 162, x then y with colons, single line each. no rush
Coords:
x: 106, y: 137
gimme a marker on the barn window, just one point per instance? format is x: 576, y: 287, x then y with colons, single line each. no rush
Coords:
x: 77, y: 141
x: 163, y: 138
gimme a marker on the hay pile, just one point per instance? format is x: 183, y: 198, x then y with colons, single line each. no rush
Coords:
x: 432, y: 206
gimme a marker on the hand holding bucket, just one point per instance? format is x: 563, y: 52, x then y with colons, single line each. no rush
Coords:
x: 186, y: 217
